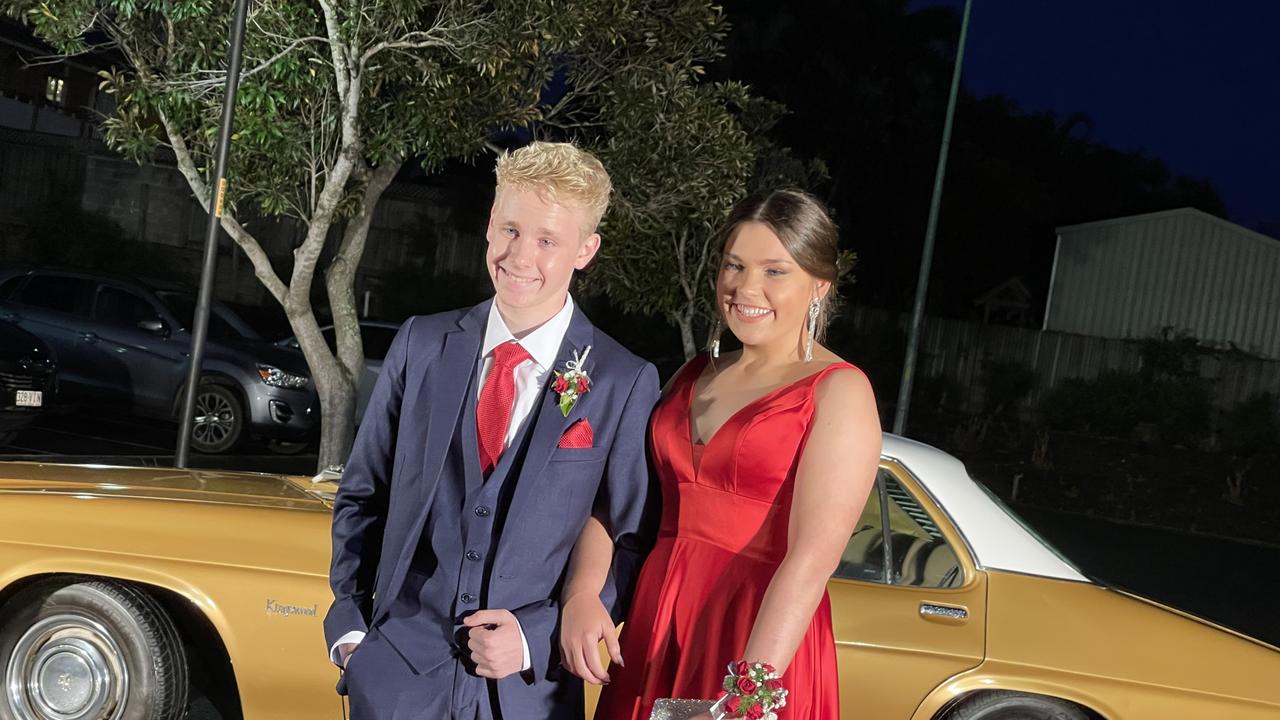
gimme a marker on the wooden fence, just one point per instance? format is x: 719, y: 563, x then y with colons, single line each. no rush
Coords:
x: 960, y: 349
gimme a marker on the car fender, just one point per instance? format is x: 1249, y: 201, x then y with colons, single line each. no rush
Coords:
x: 987, y: 677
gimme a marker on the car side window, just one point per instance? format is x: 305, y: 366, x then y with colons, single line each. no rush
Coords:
x: 912, y: 548
x: 122, y: 308
x: 863, y: 557
x: 377, y: 341
x: 10, y: 286
x: 56, y: 292
x: 921, y: 555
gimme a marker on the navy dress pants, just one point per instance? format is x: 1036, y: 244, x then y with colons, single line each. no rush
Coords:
x: 382, y: 686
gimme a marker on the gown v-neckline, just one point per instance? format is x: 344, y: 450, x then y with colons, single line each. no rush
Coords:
x: 697, y: 457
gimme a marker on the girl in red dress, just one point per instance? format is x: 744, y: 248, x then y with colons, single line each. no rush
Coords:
x: 765, y: 458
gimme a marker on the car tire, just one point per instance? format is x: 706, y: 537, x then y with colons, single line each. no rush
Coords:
x: 219, y: 419
x: 90, y: 648
x: 1005, y: 705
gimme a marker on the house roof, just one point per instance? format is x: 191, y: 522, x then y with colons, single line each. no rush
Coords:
x: 1185, y: 211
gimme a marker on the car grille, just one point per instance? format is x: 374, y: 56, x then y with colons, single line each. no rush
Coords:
x: 23, y: 381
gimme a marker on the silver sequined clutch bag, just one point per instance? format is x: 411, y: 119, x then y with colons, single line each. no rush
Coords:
x: 670, y: 709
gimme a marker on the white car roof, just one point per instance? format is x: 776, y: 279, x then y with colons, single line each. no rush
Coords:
x: 998, y: 541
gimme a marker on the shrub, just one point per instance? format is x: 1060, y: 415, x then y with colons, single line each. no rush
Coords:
x: 1005, y: 385
x: 1252, y: 426
x: 1115, y: 403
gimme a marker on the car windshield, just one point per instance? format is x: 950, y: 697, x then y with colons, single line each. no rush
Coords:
x: 1030, y: 530
x: 223, y: 323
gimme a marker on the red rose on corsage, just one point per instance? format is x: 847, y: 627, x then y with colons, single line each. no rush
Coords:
x: 755, y: 691
x: 573, y: 382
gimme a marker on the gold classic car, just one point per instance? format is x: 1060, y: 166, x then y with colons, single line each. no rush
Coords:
x: 129, y: 592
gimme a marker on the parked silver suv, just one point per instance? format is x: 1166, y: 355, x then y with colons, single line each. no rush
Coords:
x: 123, y: 344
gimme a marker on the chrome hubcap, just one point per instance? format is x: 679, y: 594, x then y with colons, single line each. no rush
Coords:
x: 214, y: 420
x: 66, y: 667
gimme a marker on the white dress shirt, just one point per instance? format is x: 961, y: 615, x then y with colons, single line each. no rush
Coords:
x: 543, y: 345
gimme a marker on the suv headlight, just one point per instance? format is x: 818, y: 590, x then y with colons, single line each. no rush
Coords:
x: 276, y: 377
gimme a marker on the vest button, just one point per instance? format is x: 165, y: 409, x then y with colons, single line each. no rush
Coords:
x: 472, y: 555
x: 482, y: 511
x: 468, y: 598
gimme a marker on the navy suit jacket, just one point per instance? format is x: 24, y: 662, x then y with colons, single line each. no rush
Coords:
x: 398, y: 463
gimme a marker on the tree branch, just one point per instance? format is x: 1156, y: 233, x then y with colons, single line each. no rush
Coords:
x: 340, y: 277
x: 247, y: 242
x: 436, y: 37
x: 341, y: 68
x: 218, y: 78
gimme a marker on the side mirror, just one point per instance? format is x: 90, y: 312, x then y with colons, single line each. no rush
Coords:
x: 155, y: 327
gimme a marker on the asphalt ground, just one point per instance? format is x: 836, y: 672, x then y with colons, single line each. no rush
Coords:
x: 120, y: 440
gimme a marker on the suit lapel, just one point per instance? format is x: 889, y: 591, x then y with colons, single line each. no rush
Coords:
x: 447, y: 393
x: 470, y: 434
x: 444, y: 395
x: 549, y: 422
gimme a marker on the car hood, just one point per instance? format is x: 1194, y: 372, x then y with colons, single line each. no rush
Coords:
x: 1096, y: 631
x: 207, y: 486
x: 237, y: 350
x: 16, y: 343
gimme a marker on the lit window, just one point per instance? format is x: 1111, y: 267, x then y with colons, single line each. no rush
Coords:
x: 54, y: 89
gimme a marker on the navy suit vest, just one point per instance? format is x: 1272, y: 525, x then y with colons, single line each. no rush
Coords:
x: 448, y: 575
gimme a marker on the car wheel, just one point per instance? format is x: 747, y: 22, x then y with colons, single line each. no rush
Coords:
x: 90, y: 649
x: 219, y: 419
x: 1004, y: 705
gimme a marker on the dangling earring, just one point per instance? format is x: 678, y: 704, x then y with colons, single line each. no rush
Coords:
x: 814, y: 307
x: 715, y: 337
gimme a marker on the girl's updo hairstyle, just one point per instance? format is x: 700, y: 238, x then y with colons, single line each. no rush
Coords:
x: 806, y: 231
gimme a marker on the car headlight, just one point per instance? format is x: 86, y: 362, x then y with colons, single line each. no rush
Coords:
x: 276, y: 377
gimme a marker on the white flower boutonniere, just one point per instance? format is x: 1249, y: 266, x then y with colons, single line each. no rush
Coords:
x: 573, y: 382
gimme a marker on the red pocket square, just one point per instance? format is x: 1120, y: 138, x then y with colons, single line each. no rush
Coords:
x: 578, y: 436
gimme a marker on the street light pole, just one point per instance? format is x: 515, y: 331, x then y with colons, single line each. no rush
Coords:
x: 926, y: 259
x: 217, y: 194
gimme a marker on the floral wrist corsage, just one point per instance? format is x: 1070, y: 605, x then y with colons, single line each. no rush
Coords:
x: 752, y: 691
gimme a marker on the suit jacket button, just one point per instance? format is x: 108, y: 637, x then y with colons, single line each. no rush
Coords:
x: 482, y: 511
x: 473, y: 555
x: 468, y: 598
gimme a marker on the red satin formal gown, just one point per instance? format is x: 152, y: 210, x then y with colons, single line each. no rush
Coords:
x: 726, y: 508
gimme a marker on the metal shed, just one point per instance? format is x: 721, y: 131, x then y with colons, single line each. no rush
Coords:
x: 1132, y: 276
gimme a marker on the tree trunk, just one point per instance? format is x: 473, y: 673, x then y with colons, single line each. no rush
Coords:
x: 338, y: 415
x: 337, y: 418
x: 685, y: 321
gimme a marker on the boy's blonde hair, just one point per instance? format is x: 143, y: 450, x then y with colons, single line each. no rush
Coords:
x: 561, y: 173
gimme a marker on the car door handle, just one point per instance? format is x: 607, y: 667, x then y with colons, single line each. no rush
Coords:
x: 945, y: 614
x: 89, y: 337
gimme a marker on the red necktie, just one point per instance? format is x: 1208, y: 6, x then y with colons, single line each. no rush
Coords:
x: 497, y: 399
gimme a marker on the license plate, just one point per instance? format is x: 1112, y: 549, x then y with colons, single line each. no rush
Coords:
x: 30, y: 398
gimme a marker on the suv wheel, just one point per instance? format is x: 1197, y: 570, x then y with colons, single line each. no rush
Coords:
x: 90, y: 649
x: 219, y: 419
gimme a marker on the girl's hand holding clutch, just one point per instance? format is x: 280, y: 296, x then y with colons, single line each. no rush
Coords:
x: 584, y: 623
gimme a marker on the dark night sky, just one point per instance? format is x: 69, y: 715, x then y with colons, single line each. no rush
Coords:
x: 1194, y: 83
